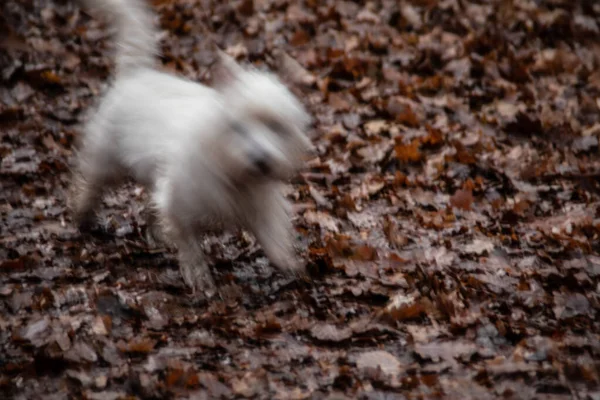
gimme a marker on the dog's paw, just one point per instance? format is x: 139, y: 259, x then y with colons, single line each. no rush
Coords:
x: 85, y: 222
x: 199, y: 280
x: 203, y: 291
x: 84, y: 218
x: 154, y: 236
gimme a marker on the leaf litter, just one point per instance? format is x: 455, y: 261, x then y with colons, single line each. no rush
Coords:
x: 450, y: 219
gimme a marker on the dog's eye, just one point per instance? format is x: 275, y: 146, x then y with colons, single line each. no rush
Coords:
x: 276, y: 126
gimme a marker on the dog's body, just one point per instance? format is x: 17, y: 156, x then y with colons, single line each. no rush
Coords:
x: 212, y: 158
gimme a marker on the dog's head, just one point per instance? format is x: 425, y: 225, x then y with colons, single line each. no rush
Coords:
x: 264, y: 134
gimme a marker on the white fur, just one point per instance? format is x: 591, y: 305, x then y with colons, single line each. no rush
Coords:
x: 212, y: 158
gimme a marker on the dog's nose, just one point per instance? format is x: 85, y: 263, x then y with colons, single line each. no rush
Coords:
x: 262, y: 165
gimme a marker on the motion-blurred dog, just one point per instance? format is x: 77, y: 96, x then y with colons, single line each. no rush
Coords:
x: 212, y: 158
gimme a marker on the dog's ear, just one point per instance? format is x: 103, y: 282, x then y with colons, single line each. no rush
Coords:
x: 291, y: 70
x: 226, y: 69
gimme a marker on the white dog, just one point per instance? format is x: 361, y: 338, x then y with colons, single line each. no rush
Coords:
x: 212, y: 158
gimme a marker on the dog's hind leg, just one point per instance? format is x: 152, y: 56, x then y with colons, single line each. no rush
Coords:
x: 96, y: 169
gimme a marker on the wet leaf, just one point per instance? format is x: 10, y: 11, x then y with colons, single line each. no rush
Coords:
x: 330, y: 333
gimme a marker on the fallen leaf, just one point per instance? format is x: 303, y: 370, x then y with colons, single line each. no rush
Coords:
x: 324, y: 220
x: 479, y: 247
x: 138, y: 346
x: 462, y: 199
x: 330, y: 333
x: 379, y: 359
x: 409, y: 153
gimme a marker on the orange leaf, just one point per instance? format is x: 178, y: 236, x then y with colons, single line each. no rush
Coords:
x: 408, y: 153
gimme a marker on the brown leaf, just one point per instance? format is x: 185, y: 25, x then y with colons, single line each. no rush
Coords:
x: 268, y: 327
x: 51, y: 77
x: 462, y: 199
x: 434, y: 136
x: 174, y: 377
x: 364, y: 253
x: 408, y: 153
x: 138, y: 346
x: 403, y: 113
x: 402, y: 307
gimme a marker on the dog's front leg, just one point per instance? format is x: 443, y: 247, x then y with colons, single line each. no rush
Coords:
x: 193, y: 267
x: 192, y: 264
x: 272, y: 226
x: 188, y: 240
x: 154, y: 235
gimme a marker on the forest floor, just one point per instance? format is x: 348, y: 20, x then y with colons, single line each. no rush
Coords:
x: 450, y: 220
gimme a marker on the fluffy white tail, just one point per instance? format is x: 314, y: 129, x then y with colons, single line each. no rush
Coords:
x: 136, y: 32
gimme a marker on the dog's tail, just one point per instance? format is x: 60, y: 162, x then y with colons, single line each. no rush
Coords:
x: 136, y: 32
